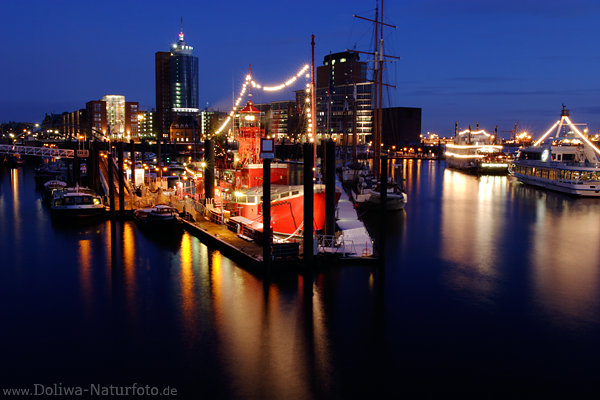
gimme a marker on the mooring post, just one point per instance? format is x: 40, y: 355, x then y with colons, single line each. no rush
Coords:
x: 266, y: 211
x: 111, y: 183
x: 76, y: 168
x: 91, y: 167
x: 329, y: 188
x: 159, y: 162
x: 308, y: 242
x: 121, y: 178
x: 132, y: 159
x: 143, y: 153
x: 209, y: 173
x: 383, y: 200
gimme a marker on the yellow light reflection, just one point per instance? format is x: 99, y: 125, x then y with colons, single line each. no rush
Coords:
x: 85, y: 270
x: 129, y: 265
x: 565, y: 262
x: 188, y: 294
x: 258, y: 329
x: 472, y: 218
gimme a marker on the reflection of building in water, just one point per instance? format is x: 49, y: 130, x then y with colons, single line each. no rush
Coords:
x: 85, y: 271
x: 472, y: 220
x: 265, y: 348
x: 565, y: 257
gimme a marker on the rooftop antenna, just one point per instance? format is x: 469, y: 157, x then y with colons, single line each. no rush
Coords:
x: 181, y: 30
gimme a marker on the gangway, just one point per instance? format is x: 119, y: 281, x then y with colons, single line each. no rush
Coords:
x: 36, y: 151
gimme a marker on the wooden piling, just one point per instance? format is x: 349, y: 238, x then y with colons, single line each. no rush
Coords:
x: 121, y: 178
x: 383, y: 205
x: 111, y: 184
x: 308, y: 150
x: 267, y: 238
x: 209, y: 173
x: 132, y: 159
x: 329, y: 187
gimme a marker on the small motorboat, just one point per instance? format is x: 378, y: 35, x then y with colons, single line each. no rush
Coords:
x: 50, y: 187
x: 76, y: 202
x: 158, y: 217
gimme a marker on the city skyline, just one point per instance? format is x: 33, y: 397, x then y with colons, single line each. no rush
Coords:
x: 495, y: 63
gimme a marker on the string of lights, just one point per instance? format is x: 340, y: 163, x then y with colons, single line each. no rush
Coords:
x: 249, y: 81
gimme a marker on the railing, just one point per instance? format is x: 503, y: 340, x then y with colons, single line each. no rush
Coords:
x: 36, y: 151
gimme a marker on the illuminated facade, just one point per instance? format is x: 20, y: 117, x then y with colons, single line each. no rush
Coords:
x: 342, y: 87
x: 121, y: 117
x: 184, y: 129
x: 115, y: 114
x: 210, y: 121
x: 146, y: 124
x: 176, y: 84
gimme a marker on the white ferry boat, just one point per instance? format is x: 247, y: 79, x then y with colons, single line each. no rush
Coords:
x: 476, y: 152
x: 568, y: 163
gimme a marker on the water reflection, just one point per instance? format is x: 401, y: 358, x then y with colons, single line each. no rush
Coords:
x: 473, y: 219
x: 14, y: 180
x: 530, y: 257
x: 266, y: 347
x: 85, y: 271
x: 128, y: 249
x: 565, y: 256
x: 188, y: 290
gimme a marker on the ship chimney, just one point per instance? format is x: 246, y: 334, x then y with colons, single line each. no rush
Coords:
x: 564, y: 112
x: 469, y: 134
x: 495, y: 134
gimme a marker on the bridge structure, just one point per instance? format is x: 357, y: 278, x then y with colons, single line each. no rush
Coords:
x: 42, y: 151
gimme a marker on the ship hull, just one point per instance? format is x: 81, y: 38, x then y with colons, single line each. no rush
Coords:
x: 287, y: 214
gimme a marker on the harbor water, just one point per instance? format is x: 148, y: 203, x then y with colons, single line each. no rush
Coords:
x: 488, y: 286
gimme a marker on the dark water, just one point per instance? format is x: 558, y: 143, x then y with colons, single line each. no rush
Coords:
x: 489, y: 286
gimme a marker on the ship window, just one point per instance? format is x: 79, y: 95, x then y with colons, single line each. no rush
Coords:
x: 585, y: 176
x: 295, y: 192
x: 286, y: 194
x: 575, y: 175
x: 567, y: 175
x: 251, y: 199
x: 568, y: 157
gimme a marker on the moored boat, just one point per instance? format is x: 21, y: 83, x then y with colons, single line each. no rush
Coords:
x: 569, y: 162
x: 367, y: 196
x: 476, y: 152
x: 239, y: 184
x: 76, y: 202
x: 158, y: 217
x: 50, y: 187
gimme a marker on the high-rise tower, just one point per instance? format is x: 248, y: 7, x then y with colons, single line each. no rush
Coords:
x: 176, y: 84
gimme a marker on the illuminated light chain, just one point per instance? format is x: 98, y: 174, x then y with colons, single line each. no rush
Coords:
x: 448, y: 153
x: 475, y: 132
x: 250, y: 81
x: 548, y: 132
x: 468, y: 146
x: 560, y: 123
x: 285, y: 84
x: 581, y: 134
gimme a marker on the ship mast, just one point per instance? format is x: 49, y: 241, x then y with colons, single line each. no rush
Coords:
x: 377, y: 127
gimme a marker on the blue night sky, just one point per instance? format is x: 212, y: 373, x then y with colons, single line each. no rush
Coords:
x: 467, y: 60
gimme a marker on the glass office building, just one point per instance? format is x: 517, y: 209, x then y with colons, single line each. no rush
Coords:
x: 183, y: 68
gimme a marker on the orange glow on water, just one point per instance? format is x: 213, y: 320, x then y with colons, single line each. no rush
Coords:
x: 188, y: 294
x: 128, y: 243
x: 85, y: 270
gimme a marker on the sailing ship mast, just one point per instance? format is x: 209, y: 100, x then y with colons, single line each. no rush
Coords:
x: 377, y: 126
